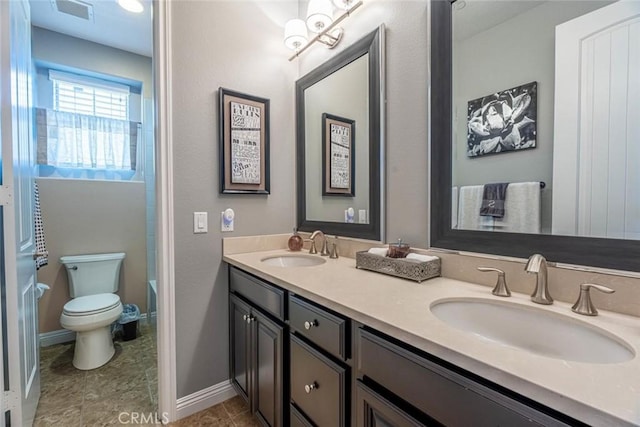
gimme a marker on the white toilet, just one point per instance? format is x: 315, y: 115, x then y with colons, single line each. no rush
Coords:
x: 93, y: 279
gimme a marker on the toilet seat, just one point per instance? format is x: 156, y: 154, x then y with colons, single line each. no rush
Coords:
x: 91, y: 304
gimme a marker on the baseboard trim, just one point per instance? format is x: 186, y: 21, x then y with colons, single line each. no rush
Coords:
x: 56, y: 337
x: 64, y: 335
x: 203, y: 399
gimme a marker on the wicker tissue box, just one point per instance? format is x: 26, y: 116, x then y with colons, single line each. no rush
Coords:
x: 398, y: 267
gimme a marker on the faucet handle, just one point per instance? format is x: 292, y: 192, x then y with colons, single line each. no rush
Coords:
x: 584, y: 304
x: 501, y: 288
x: 325, y: 250
x: 312, y: 248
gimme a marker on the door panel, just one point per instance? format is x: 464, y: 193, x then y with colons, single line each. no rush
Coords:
x: 18, y: 163
x: 269, y: 342
x: 596, y: 124
x: 239, y: 312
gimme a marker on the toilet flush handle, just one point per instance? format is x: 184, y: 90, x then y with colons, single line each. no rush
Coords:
x: 75, y: 267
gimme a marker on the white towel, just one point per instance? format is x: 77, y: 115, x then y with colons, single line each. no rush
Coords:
x: 521, y: 209
x: 379, y: 251
x: 420, y: 257
x: 469, y: 207
x: 454, y: 207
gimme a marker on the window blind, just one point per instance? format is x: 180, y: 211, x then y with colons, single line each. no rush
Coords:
x: 85, y: 95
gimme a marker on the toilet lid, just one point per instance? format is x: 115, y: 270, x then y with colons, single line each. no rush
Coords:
x: 91, y: 304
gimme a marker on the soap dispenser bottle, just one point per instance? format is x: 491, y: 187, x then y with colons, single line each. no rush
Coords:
x: 295, y: 242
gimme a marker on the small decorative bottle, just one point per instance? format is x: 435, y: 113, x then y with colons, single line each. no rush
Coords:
x: 295, y: 242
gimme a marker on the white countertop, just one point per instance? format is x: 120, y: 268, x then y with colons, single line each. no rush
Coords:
x: 597, y: 394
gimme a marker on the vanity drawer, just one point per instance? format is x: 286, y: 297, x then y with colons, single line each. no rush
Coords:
x: 444, y: 395
x: 266, y: 296
x: 318, y: 385
x: 318, y: 325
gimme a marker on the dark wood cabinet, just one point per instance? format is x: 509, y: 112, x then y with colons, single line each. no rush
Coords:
x: 298, y: 363
x: 373, y: 410
x: 257, y: 360
x: 318, y: 385
x: 239, y: 337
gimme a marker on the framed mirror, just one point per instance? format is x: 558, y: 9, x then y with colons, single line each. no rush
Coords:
x: 548, y: 111
x: 339, y: 140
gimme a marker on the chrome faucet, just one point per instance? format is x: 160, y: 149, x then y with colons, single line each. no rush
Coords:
x: 313, y: 250
x: 537, y: 265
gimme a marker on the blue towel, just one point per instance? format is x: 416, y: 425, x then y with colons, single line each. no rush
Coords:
x: 493, y: 200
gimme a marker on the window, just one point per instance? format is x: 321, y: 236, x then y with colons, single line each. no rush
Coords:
x: 87, y: 134
x: 89, y: 96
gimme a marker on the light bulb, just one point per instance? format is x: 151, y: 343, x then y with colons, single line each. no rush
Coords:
x: 133, y: 6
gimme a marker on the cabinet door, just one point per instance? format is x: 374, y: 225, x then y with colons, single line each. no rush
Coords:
x: 373, y: 410
x: 268, y: 341
x: 239, y: 313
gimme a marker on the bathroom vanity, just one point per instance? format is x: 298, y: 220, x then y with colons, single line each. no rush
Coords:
x: 330, y: 345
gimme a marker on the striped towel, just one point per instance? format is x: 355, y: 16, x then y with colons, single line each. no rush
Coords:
x: 43, y: 258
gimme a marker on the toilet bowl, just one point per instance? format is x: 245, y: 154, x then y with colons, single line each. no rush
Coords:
x: 94, y: 307
x: 91, y: 318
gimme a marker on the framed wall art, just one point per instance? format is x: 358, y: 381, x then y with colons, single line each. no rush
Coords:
x: 503, y: 121
x: 243, y: 125
x: 338, y: 156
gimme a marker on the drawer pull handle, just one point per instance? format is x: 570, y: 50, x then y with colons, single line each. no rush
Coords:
x: 250, y: 319
x: 310, y: 387
x: 308, y: 325
x: 245, y: 317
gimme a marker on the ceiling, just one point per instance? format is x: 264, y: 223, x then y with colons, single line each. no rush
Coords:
x: 474, y: 16
x: 109, y: 24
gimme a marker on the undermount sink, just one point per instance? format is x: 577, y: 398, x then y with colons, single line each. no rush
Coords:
x: 293, y: 261
x: 537, y: 331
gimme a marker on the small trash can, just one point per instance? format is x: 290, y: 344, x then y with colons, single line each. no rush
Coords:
x: 129, y: 321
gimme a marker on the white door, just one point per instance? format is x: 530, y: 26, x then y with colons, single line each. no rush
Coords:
x: 597, y: 124
x: 18, y: 163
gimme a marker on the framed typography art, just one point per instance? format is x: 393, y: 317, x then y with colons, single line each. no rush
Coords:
x: 244, y: 143
x: 338, y: 156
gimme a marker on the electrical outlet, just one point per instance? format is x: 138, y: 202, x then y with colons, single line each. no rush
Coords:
x: 226, y: 220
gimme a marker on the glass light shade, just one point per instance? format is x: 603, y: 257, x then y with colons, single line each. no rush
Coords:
x: 133, y: 6
x: 319, y: 15
x: 344, y: 4
x: 295, y: 34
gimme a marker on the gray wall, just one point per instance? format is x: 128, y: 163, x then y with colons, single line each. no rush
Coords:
x: 62, y: 49
x: 517, y: 51
x: 237, y: 45
x: 85, y: 217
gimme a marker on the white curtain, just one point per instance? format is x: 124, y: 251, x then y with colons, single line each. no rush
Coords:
x: 89, y: 142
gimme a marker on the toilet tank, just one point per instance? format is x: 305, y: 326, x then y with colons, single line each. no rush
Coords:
x: 93, y: 274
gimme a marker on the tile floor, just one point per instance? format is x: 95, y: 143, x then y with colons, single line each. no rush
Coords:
x: 231, y: 413
x: 113, y: 393
x: 127, y: 384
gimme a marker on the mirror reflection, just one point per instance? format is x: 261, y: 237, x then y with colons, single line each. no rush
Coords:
x: 545, y: 121
x: 344, y: 93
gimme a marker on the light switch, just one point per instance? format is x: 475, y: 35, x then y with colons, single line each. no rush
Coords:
x: 200, y: 222
x: 362, y: 216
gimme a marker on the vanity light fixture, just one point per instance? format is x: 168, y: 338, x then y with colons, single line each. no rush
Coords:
x: 319, y: 20
x: 295, y: 34
x: 134, y: 6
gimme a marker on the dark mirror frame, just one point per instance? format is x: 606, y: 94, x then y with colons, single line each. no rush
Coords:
x: 586, y: 251
x: 372, y: 44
